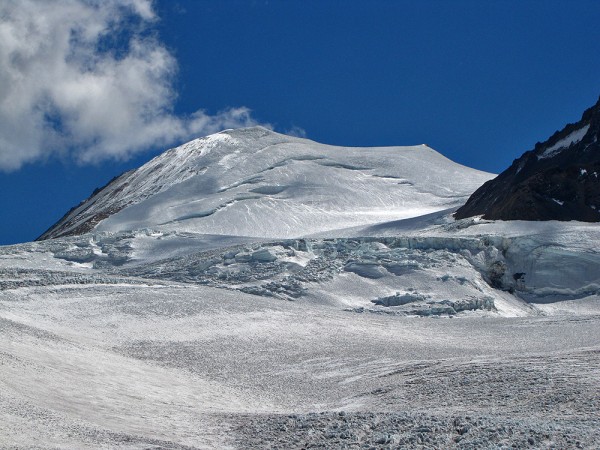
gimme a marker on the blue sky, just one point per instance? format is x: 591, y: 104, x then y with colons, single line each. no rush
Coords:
x: 479, y: 81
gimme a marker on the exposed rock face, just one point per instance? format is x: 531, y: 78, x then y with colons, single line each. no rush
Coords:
x: 558, y: 180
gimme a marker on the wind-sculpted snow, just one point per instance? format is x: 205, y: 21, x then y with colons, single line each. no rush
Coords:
x: 254, y: 182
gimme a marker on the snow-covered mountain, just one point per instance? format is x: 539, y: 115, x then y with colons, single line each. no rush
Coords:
x: 251, y: 290
x: 217, y: 209
x: 255, y: 182
x: 558, y: 180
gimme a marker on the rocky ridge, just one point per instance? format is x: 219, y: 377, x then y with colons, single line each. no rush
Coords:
x: 558, y: 180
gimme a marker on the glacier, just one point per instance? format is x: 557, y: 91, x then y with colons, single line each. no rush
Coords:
x: 254, y: 290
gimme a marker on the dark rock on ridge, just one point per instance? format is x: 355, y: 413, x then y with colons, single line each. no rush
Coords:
x: 71, y: 220
x: 558, y: 180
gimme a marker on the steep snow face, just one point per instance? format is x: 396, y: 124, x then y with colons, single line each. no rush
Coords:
x: 254, y: 182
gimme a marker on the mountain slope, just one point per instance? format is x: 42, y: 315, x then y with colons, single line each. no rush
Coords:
x: 557, y: 180
x: 255, y: 182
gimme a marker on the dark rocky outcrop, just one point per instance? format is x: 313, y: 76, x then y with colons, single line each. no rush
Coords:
x: 71, y: 224
x: 558, y: 180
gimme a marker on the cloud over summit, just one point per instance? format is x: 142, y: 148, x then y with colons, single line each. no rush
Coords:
x: 89, y: 79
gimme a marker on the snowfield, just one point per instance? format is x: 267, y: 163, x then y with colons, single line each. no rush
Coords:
x: 184, y: 366
x: 333, y: 302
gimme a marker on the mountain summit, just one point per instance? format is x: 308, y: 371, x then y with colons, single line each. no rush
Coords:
x: 255, y: 182
x: 558, y: 180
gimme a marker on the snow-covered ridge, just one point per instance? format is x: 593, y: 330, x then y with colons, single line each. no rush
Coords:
x: 566, y: 142
x: 255, y: 182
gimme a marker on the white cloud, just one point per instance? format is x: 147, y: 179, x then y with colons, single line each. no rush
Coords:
x: 63, y: 92
x: 296, y: 131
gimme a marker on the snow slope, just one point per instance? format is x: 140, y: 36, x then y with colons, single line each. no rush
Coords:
x: 255, y: 182
x: 186, y: 366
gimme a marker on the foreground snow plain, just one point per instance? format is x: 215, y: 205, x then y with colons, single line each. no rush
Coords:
x: 409, y: 329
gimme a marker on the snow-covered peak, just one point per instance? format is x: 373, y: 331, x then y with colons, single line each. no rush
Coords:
x: 256, y: 182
